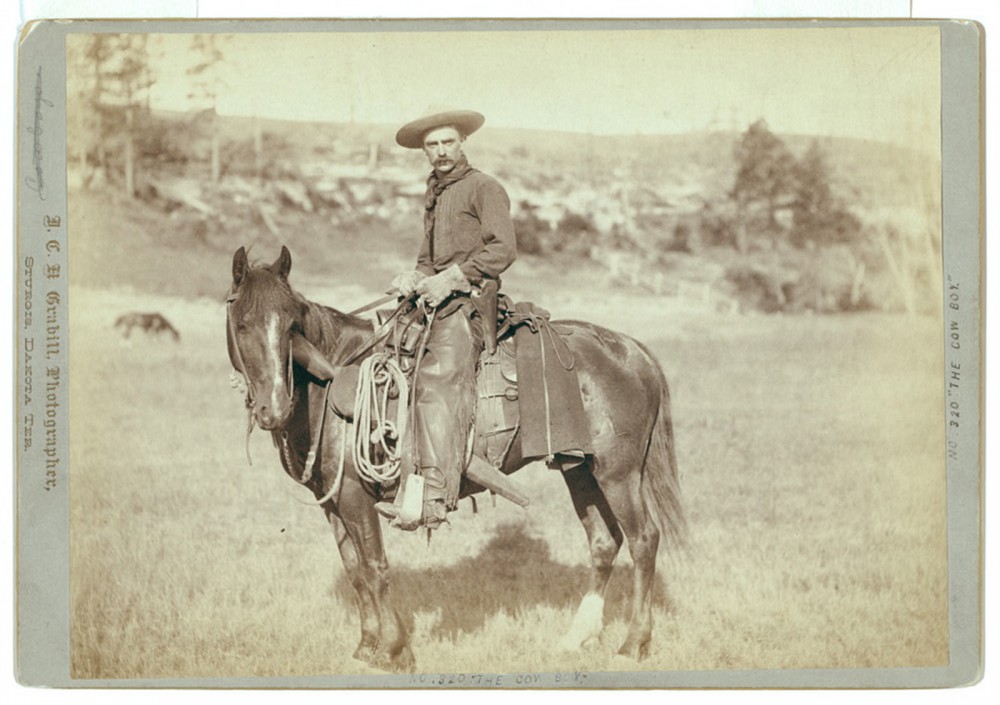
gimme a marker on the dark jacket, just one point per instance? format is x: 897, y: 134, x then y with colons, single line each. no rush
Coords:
x: 473, y: 229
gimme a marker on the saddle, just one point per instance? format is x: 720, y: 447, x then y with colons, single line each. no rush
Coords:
x: 527, y: 386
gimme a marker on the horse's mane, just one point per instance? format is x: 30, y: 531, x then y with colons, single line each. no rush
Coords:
x: 324, y: 326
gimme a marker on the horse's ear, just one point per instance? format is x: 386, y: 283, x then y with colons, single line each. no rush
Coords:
x: 283, y: 265
x: 239, y: 266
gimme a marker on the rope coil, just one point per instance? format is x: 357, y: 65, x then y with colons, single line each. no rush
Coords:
x: 375, y: 435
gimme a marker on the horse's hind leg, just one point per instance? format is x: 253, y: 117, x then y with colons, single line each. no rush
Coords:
x: 605, y: 538
x: 625, y: 498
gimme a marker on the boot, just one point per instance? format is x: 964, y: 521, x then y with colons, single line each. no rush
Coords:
x: 436, y: 504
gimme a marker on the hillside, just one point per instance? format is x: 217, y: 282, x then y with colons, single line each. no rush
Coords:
x: 653, y: 210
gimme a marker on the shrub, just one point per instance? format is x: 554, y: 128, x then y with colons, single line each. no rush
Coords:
x: 575, y: 234
x: 533, y: 234
x: 759, y: 287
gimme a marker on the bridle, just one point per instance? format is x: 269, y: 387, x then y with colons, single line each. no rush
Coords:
x: 251, y: 394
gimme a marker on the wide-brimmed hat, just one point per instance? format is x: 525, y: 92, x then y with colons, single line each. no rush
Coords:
x: 411, y: 135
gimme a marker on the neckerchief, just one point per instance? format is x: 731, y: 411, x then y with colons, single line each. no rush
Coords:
x: 436, y: 185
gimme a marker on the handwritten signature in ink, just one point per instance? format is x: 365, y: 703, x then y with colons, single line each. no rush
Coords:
x: 37, y: 182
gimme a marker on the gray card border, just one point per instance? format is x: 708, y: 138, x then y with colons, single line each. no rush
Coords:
x: 42, y: 486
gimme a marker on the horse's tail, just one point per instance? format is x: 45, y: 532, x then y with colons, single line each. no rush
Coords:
x: 660, y: 478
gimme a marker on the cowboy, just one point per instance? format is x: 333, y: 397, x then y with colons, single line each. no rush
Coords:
x: 468, y: 241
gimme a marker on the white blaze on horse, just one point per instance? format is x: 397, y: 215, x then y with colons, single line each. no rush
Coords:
x: 628, y: 488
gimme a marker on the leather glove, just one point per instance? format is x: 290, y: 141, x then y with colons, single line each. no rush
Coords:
x: 439, y: 287
x: 406, y: 283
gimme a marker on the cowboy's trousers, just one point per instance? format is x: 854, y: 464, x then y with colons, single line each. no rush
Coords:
x: 445, y: 394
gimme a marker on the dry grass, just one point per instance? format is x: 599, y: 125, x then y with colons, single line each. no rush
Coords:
x: 812, y: 456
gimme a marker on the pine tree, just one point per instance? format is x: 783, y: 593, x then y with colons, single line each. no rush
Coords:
x: 764, y: 179
x: 818, y: 217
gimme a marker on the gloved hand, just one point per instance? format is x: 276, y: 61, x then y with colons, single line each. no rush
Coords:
x: 406, y: 283
x: 439, y: 287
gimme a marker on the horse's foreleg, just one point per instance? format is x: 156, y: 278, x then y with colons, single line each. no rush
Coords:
x: 605, y: 539
x: 392, y: 650
x: 366, y: 601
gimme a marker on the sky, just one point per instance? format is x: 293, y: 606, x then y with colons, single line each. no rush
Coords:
x: 873, y: 83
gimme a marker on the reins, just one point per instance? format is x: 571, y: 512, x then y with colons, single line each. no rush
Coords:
x: 375, y: 338
x: 391, y: 296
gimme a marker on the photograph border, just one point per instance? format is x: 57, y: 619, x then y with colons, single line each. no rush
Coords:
x: 42, y: 521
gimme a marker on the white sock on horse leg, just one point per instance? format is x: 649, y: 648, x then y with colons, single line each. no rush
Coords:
x: 587, y: 623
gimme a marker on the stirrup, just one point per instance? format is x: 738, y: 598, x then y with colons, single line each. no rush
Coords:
x: 387, y: 509
x: 434, y: 514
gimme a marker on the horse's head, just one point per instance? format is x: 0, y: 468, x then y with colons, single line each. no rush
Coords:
x: 263, y: 312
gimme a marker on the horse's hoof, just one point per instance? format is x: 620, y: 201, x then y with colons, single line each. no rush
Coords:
x: 635, y: 649
x: 587, y: 624
x: 570, y: 644
x: 404, y: 662
x: 400, y: 662
x: 365, y: 651
x: 621, y: 663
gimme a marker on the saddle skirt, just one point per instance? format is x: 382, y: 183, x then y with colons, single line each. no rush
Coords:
x: 554, y: 425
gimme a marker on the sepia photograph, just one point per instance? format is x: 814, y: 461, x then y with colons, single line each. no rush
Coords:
x: 477, y: 354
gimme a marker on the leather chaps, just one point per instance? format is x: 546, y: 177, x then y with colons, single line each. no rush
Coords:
x: 445, y: 394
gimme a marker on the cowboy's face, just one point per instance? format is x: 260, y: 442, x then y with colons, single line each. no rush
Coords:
x: 443, y: 147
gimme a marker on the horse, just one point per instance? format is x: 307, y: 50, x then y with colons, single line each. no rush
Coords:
x: 149, y: 322
x: 628, y: 488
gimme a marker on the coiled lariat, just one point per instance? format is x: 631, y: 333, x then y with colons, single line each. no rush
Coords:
x: 376, y: 443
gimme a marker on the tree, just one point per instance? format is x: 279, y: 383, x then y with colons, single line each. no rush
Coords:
x: 111, y: 81
x: 130, y: 78
x: 817, y: 216
x: 84, y: 55
x: 764, y: 179
x: 206, y: 83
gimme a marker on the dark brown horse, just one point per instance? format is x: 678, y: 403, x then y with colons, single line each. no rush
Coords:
x: 627, y: 489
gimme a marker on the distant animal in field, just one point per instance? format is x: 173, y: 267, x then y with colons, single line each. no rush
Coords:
x: 149, y: 322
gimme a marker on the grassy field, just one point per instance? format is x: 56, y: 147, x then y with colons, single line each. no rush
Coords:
x: 812, y: 460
